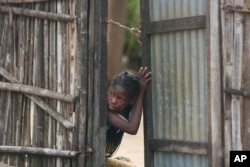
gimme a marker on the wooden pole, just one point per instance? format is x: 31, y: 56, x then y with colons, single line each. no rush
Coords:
x: 57, y: 116
x: 6, y: 119
x: 22, y: 1
x: 39, y: 151
x: 37, y: 14
x: 37, y: 91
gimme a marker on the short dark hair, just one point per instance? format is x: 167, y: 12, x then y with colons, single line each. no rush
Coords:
x: 129, y: 81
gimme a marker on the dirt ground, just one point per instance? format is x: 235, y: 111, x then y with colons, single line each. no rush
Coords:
x: 132, y: 147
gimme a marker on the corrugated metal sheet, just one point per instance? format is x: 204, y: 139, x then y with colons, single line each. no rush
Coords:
x: 179, y: 82
x: 179, y: 86
x: 166, y: 159
x: 171, y: 9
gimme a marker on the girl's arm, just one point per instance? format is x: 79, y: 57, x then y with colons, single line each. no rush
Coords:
x: 132, y: 124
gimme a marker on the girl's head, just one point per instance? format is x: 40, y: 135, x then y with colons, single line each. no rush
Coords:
x: 124, y: 87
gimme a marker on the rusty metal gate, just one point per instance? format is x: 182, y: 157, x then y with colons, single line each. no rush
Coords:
x: 52, y: 82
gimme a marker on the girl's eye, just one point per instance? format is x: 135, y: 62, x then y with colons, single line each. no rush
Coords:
x: 121, y: 99
x: 111, y: 93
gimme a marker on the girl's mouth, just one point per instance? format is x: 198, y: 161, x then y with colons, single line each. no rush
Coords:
x: 110, y: 107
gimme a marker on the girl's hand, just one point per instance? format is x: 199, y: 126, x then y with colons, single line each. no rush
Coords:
x: 145, y: 77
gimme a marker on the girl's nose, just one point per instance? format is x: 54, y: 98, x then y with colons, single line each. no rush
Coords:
x: 113, y: 100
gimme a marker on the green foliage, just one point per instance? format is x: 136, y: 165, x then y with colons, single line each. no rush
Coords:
x: 132, y: 46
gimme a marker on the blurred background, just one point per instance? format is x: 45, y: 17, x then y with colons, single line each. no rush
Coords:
x: 124, y: 50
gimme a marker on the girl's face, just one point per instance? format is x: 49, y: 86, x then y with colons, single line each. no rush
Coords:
x: 117, y: 98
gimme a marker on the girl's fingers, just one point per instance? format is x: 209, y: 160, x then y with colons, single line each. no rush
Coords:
x: 140, y: 70
x: 148, y: 74
x: 144, y: 74
x: 143, y: 70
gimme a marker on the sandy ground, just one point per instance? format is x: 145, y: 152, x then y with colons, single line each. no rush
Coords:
x: 132, y: 147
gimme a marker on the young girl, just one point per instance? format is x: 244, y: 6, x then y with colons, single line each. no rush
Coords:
x: 125, y: 100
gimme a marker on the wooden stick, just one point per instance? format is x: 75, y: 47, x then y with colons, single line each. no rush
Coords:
x: 22, y: 1
x: 57, y: 116
x: 37, y: 91
x: 40, y: 102
x: 7, y: 108
x: 4, y: 30
x: 243, y: 9
x: 39, y: 151
x: 8, y: 76
x: 37, y: 14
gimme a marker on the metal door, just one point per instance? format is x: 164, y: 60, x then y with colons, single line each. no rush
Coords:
x: 184, y: 97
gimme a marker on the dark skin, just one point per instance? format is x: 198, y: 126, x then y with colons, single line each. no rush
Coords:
x: 118, y: 99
